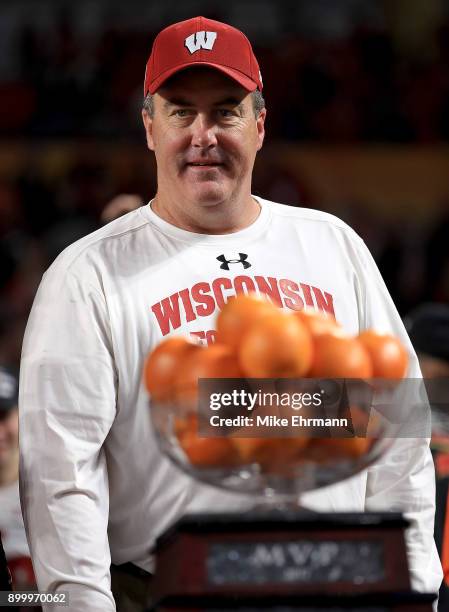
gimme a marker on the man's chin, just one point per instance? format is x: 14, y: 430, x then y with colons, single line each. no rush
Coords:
x: 207, y: 195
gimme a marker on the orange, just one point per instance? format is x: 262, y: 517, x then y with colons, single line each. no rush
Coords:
x: 326, y: 450
x: 184, y: 423
x: 163, y: 363
x: 339, y: 357
x: 216, y: 361
x: 318, y: 323
x: 208, y: 452
x: 250, y: 450
x: 205, y: 452
x: 279, y: 345
x: 268, y: 452
x: 388, y: 355
x: 238, y: 315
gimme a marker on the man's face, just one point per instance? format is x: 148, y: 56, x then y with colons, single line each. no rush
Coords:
x: 9, y: 436
x: 205, y: 136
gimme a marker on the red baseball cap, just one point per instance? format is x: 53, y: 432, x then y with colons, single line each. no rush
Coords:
x: 202, y: 42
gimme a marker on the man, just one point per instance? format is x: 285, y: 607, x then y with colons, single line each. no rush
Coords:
x: 94, y: 484
x: 11, y: 523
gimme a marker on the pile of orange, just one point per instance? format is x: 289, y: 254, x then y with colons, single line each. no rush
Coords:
x: 255, y: 339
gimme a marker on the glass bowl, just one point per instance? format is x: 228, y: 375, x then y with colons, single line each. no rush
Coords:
x: 274, y: 463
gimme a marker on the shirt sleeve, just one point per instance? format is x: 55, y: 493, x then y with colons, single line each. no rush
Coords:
x: 404, y: 479
x: 67, y: 406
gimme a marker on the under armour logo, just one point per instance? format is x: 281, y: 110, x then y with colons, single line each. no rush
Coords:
x: 226, y: 262
x: 200, y: 40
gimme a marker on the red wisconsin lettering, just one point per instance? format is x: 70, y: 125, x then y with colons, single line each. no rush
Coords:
x: 185, y: 297
x: 290, y: 289
x: 198, y: 295
x: 324, y: 302
x: 269, y: 286
x: 201, y: 335
x: 167, y: 313
x: 307, y: 295
x: 244, y: 284
x: 211, y: 337
x: 206, y: 337
x: 217, y: 286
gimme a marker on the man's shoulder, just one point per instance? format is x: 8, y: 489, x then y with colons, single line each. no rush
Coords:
x: 297, y: 214
x: 98, y: 244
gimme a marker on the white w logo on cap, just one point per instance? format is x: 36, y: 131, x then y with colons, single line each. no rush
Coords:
x: 200, y: 40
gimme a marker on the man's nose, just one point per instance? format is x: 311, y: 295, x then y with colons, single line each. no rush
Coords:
x: 203, y: 132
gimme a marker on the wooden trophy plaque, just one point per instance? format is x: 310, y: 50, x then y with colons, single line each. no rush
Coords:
x: 291, y: 561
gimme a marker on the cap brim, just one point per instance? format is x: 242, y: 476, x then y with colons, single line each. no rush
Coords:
x: 241, y: 78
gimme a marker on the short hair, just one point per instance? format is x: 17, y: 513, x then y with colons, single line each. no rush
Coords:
x: 148, y: 104
x: 256, y: 95
x: 258, y: 102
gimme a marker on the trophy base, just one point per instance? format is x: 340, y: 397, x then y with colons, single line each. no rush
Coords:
x: 286, y: 560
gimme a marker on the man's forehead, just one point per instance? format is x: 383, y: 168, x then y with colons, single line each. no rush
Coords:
x: 207, y: 80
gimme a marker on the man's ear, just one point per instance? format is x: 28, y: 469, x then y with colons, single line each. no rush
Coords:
x: 148, y: 123
x: 260, y: 124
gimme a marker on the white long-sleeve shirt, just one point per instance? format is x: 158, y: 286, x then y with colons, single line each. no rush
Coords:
x: 94, y: 485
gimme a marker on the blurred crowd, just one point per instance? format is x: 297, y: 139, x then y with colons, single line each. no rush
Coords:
x: 364, y: 70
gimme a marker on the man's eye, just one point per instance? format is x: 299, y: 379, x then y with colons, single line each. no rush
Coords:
x: 224, y: 112
x: 181, y: 112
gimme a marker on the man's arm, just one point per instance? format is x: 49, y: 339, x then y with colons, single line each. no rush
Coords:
x: 67, y: 406
x: 404, y: 479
